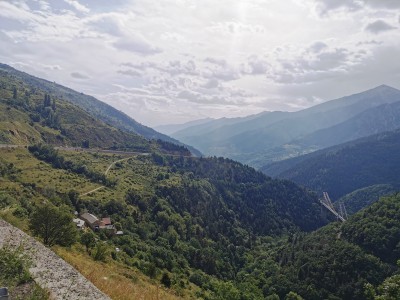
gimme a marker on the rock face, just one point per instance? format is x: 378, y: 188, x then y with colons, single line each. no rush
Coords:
x: 49, y: 270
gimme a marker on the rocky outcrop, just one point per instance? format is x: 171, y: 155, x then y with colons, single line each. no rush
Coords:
x: 49, y: 270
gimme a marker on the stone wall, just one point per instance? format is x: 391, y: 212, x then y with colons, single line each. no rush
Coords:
x: 49, y: 270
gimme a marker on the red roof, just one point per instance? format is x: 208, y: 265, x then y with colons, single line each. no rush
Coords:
x: 105, y: 222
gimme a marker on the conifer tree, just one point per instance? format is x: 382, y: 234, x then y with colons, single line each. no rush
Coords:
x: 15, y: 94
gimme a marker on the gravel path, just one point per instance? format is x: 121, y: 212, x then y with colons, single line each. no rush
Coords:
x: 49, y: 270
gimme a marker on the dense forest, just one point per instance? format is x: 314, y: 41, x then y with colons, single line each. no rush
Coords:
x: 364, y: 197
x: 226, y: 228
x: 339, y: 261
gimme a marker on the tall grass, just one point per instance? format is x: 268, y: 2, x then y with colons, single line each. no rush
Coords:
x: 116, y: 280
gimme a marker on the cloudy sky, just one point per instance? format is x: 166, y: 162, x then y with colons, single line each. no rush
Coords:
x: 170, y: 61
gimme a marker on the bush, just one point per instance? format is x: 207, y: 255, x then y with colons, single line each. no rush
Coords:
x: 89, y: 240
x: 5, y: 200
x: 20, y: 212
x: 54, y: 225
x: 101, y: 252
x: 166, y: 280
x: 14, y: 266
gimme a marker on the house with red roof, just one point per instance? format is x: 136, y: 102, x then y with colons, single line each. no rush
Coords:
x: 97, y: 224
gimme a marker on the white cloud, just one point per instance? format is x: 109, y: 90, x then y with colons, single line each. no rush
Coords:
x: 256, y: 66
x: 79, y: 75
x: 325, y: 6
x: 136, y: 44
x: 212, y: 83
x: 379, y: 26
x: 44, y: 5
x: 314, y: 63
x: 318, y: 47
x: 389, y: 4
x: 78, y: 6
x: 16, y: 12
x: 189, y: 59
x: 132, y: 73
x: 52, y: 67
x: 220, y: 69
x: 235, y: 28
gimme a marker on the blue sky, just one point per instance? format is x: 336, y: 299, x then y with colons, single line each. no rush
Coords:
x: 174, y: 61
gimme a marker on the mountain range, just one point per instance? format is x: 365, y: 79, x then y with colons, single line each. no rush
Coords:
x: 171, y: 128
x: 272, y: 136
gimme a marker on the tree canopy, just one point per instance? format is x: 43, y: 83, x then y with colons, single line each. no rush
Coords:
x: 54, y: 225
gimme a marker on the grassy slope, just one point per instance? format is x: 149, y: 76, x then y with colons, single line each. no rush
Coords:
x: 122, y: 282
x: 95, y: 108
x: 17, y: 126
x: 116, y: 279
x: 39, y: 174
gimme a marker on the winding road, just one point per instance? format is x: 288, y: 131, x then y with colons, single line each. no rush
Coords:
x: 93, y: 150
x: 106, y: 172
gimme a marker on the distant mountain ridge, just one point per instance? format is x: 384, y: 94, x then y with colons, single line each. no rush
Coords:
x: 378, y: 119
x: 172, y: 128
x: 272, y: 136
x: 216, y: 124
x: 385, y: 117
x: 93, y: 106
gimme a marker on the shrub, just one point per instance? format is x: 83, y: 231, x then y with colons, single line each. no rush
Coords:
x: 14, y: 266
x: 101, y: 252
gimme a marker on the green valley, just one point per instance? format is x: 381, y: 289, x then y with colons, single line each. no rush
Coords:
x: 161, y: 223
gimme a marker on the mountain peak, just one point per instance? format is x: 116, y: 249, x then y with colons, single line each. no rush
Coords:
x: 385, y: 87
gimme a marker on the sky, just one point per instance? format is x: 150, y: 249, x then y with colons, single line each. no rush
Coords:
x: 172, y: 61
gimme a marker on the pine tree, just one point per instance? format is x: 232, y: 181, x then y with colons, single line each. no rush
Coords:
x: 15, y: 94
x: 47, y: 100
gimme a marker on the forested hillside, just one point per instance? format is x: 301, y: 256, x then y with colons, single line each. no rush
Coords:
x: 343, y: 169
x: 344, y: 261
x: 375, y: 229
x: 210, y: 228
x: 193, y: 219
x: 364, y: 197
